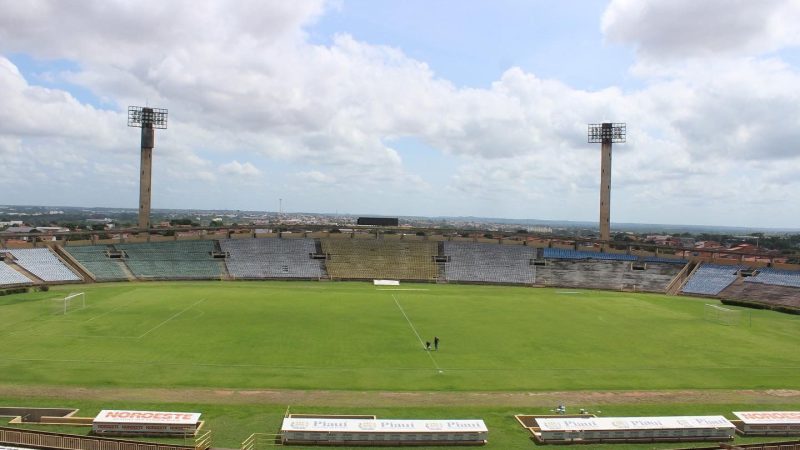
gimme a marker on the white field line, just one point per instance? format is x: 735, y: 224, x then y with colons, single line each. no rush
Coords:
x: 96, y: 336
x: 109, y: 311
x: 404, y: 289
x: 330, y: 368
x: 41, y: 318
x: 35, y: 326
x: 105, y: 336
x: 421, y: 343
x: 170, y: 318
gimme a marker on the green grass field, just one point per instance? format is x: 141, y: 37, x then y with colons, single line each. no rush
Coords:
x: 354, y: 336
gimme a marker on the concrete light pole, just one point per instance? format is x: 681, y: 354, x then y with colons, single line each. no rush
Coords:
x: 606, y: 134
x: 148, y: 119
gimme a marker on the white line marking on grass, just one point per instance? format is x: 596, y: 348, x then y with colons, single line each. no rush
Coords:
x: 108, y: 312
x: 402, y: 289
x: 170, y: 318
x: 421, y: 343
x: 95, y: 336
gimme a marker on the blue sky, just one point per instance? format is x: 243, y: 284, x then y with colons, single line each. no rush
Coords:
x: 409, y: 108
x: 472, y: 43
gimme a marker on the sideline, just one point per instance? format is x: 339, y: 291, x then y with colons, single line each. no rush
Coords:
x: 421, y: 343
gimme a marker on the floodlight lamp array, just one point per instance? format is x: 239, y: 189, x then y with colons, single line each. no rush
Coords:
x: 607, y: 132
x: 146, y: 117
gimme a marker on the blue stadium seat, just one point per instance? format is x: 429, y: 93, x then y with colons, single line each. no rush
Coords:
x: 777, y: 277
x: 561, y: 253
x: 488, y: 263
x: 265, y: 258
x: 711, y: 279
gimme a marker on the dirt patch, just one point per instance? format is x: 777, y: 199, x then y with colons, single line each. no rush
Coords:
x: 394, y: 399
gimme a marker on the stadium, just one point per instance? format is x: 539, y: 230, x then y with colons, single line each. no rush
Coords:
x: 302, y: 313
x: 130, y: 334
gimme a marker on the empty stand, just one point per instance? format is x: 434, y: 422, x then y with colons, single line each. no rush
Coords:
x: 560, y: 253
x: 43, y: 264
x: 10, y: 277
x: 258, y: 259
x: 605, y: 274
x: 95, y: 259
x: 662, y: 260
x: 488, y: 263
x: 190, y: 260
x: 711, y: 279
x: 378, y: 259
x: 768, y: 294
x: 776, y: 277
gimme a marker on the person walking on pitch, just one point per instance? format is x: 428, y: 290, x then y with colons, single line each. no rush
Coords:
x: 436, y: 342
x: 428, y: 345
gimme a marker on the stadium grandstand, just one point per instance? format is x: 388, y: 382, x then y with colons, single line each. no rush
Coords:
x: 10, y: 277
x: 178, y: 260
x: 354, y: 259
x: 711, y: 279
x: 364, y: 256
x: 97, y: 260
x: 43, y: 264
x: 262, y: 259
x: 481, y: 262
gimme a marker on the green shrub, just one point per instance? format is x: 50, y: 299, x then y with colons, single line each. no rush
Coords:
x: 11, y: 291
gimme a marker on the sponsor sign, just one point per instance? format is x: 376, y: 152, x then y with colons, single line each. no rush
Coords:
x: 769, y: 417
x: 385, y: 283
x: 382, y: 425
x: 633, y: 423
x: 145, y: 422
x: 156, y: 417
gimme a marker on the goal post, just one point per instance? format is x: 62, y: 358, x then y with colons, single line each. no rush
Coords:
x: 722, y: 315
x: 71, y: 302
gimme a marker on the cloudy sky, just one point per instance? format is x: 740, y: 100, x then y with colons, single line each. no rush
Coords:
x: 408, y: 107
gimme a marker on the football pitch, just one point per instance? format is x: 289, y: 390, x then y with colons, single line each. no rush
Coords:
x: 355, y: 336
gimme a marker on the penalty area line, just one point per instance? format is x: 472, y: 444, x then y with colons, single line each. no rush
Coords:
x: 170, y: 318
x: 414, y: 329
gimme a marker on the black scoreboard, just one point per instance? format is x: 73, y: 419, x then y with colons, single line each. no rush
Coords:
x: 379, y: 221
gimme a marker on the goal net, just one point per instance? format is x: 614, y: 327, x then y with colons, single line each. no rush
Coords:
x: 72, y: 302
x: 721, y: 315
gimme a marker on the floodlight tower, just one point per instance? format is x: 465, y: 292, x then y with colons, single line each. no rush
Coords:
x: 606, y: 134
x: 148, y: 119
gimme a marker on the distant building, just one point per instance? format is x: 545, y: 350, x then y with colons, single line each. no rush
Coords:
x: 46, y: 233
x: 12, y: 223
x: 19, y: 229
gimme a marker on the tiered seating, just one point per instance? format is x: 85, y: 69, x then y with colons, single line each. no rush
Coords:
x: 602, y: 274
x: 378, y: 259
x: 173, y: 260
x: 660, y: 260
x: 43, y: 264
x: 560, y: 253
x: 768, y: 294
x: 9, y: 276
x: 96, y: 261
x: 271, y: 258
x: 777, y: 277
x: 488, y: 263
x: 711, y: 279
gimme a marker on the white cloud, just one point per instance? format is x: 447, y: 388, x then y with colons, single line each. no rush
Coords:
x: 244, y: 81
x: 238, y: 169
x: 676, y: 29
x: 315, y: 177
